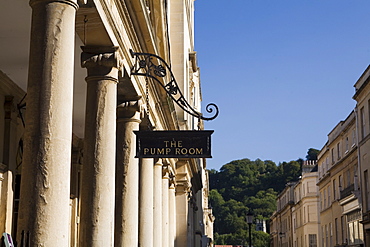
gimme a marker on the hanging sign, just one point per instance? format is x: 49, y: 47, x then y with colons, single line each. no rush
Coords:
x: 173, y: 144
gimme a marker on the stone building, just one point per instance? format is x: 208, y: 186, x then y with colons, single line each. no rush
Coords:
x: 362, y: 97
x: 281, y: 221
x: 305, y: 211
x: 340, y: 210
x: 295, y: 223
x: 70, y: 104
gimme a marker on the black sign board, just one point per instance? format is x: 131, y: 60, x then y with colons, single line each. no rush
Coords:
x: 173, y: 144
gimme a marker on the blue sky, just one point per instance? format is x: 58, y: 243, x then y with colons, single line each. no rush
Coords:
x: 281, y: 72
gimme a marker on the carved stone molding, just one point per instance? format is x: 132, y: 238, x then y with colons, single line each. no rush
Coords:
x: 101, y: 61
x: 8, y: 106
x: 128, y: 109
x: 165, y: 171
x: 183, y: 187
x: 3, y: 169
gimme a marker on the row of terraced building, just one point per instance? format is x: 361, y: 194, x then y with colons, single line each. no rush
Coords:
x: 330, y: 204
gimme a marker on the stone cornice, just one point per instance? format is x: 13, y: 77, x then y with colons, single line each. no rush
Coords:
x: 10, y: 88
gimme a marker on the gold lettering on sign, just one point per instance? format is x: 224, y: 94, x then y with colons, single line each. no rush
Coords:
x: 173, y: 146
x: 191, y: 151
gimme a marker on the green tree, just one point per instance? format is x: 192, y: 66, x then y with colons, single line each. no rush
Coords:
x: 243, y: 185
x: 312, y: 154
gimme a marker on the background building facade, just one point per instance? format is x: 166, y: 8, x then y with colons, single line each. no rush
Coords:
x: 342, y: 182
x: 296, y: 222
x: 362, y: 97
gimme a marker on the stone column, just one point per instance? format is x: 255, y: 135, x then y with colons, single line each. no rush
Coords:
x: 172, y: 213
x: 6, y: 173
x: 98, y: 172
x: 182, y: 215
x: 146, y: 203
x: 157, y: 203
x: 126, y: 231
x: 165, y: 206
x: 44, y: 202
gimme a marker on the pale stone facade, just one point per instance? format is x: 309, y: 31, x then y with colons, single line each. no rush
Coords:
x: 362, y: 97
x: 295, y: 223
x: 305, y: 218
x: 342, y: 182
x: 340, y: 210
x: 281, y: 221
x: 68, y: 172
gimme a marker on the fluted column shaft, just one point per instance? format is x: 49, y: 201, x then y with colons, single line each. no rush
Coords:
x: 44, y: 202
x: 98, y: 184
x: 158, y: 204
x: 126, y: 231
x: 146, y: 203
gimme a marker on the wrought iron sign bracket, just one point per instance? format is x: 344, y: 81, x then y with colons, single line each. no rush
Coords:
x: 153, y: 66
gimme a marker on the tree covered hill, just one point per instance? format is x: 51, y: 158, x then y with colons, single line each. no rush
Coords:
x: 242, y: 186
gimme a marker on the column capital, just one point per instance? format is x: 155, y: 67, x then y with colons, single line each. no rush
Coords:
x: 183, y: 187
x: 100, y: 60
x: 73, y: 3
x: 129, y: 109
x: 165, y: 171
x: 159, y: 162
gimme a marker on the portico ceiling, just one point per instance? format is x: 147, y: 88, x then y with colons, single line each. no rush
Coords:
x: 15, y: 23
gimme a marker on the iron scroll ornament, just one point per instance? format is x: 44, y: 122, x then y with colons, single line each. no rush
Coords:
x: 145, y: 66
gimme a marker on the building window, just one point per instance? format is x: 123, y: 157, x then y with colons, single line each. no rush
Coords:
x: 327, y: 236
x: 362, y: 121
x: 334, y: 190
x: 338, y: 149
x: 323, y: 168
x: 355, y: 178
x: 331, y: 234
x: 348, y: 178
x: 329, y: 196
x: 312, y: 240
x: 367, y: 190
x: 343, y: 225
x: 332, y: 156
x: 353, y: 137
x: 347, y: 144
x: 322, y: 237
x: 336, y: 231
x: 368, y: 107
x: 354, y: 227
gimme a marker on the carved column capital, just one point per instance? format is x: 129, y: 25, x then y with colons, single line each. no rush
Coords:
x: 165, y: 171
x: 73, y: 3
x: 129, y: 109
x: 183, y: 187
x: 100, y: 61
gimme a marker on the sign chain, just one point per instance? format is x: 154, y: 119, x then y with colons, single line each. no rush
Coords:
x: 147, y: 101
